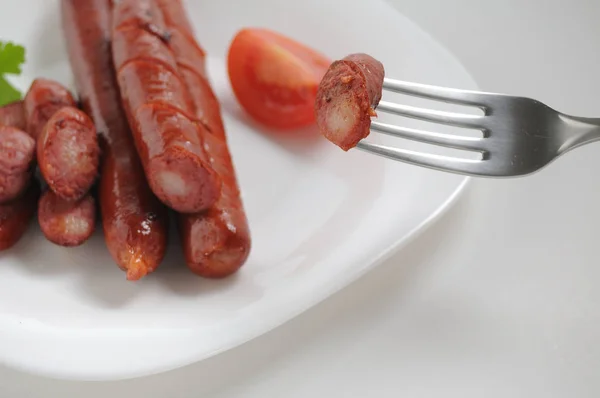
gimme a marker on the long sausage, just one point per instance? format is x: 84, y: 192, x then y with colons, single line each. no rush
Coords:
x: 159, y: 110
x: 68, y: 153
x: 217, y: 242
x: 15, y: 216
x: 66, y: 223
x: 187, y: 51
x: 347, y: 97
x: 133, y: 219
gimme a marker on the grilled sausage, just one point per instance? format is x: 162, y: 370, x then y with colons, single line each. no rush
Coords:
x: 66, y: 223
x: 347, y: 97
x: 68, y: 153
x: 216, y: 242
x: 159, y: 110
x: 43, y: 99
x: 15, y: 216
x: 133, y: 219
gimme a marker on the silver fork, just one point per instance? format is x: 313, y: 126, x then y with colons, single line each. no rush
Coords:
x: 520, y: 135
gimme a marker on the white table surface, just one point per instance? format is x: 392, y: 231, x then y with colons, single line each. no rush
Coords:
x: 498, y: 299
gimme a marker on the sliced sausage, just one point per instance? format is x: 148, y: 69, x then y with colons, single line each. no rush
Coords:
x: 68, y: 153
x: 13, y: 115
x: 216, y: 242
x: 17, y: 151
x: 15, y: 216
x: 159, y: 110
x: 43, y: 99
x: 134, y: 221
x: 347, y: 97
x: 66, y: 223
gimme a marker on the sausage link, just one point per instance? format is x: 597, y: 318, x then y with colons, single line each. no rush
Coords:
x: 154, y: 97
x: 15, y: 216
x: 17, y: 150
x: 347, y: 97
x: 134, y: 221
x: 13, y: 115
x: 43, y: 99
x: 217, y: 242
x: 66, y: 223
x: 68, y: 153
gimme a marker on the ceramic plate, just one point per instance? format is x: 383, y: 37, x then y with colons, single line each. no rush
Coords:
x: 320, y: 218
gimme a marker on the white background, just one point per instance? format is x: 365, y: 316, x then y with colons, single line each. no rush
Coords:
x: 501, y: 294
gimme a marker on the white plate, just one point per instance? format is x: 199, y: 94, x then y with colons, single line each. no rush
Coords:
x: 320, y: 218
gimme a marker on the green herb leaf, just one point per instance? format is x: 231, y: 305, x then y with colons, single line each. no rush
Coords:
x: 12, y: 57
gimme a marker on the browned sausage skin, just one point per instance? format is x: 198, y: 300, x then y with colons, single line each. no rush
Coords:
x: 133, y: 219
x: 216, y: 242
x: 66, y: 223
x: 68, y: 153
x: 13, y: 115
x: 43, y: 99
x: 159, y: 110
x: 347, y: 97
x: 15, y: 216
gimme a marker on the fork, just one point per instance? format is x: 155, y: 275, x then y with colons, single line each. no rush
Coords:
x: 520, y: 135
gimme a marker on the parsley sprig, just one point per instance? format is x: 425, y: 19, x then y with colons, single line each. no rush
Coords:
x: 12, y: 57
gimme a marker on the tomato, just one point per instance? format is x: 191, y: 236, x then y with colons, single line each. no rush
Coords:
x: 275, y: 78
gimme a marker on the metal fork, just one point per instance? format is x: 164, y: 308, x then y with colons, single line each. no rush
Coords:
x: 520, y: 135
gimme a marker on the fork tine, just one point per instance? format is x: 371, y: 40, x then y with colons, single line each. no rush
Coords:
x: 446, y: 140
x: 464, y: 97
x: 430, y: 115
x: 437, y: 162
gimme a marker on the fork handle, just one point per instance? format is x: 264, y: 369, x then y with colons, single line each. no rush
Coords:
x: 580, y: 131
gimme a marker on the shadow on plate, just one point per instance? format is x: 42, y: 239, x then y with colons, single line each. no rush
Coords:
x: 300, y: 142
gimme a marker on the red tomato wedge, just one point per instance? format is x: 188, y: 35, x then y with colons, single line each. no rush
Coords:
x: 275, y: 78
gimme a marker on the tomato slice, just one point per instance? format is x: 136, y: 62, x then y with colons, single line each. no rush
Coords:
x: 275, y: 78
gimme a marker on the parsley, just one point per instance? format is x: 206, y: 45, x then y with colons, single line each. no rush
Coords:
x: 12, y: 56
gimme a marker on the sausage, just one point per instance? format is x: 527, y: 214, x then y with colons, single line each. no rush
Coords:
x: 216, y: 242
x: 66, y: 223
x: 15, y: 216
x: 175, y: 17
x: 43, y: 99
x: 17, y: 150
x: 347, y: 98
x: 159, y: 109
x: 13, y: 115
x: 68, y: 153
x: 185, y: 48
x: 134, y: 221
